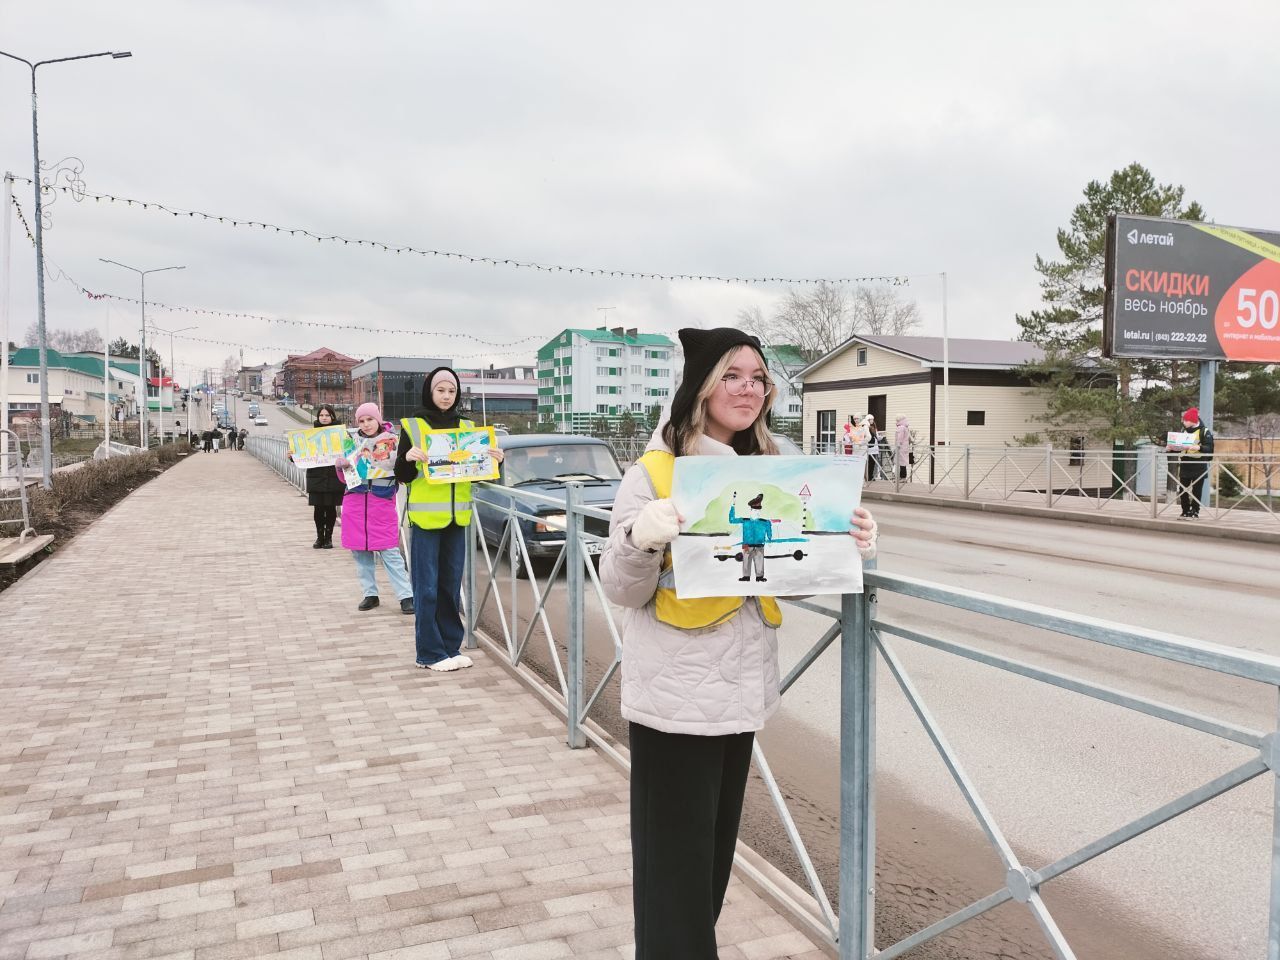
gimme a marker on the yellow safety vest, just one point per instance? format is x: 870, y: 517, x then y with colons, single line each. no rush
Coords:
x: 703, y: 611
x: 433, y: 506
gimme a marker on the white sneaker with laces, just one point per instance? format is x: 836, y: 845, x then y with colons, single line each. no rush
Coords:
x: 462, y: 660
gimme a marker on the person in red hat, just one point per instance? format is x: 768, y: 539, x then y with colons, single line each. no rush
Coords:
x: 1193, y: 466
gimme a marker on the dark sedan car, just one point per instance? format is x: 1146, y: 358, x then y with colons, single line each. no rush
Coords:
x: 542, y: 463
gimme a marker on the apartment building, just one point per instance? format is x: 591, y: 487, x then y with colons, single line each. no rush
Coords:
x: 586, y: 376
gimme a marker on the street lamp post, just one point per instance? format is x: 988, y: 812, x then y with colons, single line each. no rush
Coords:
x: 46, y: 455
x: 172, y: 369
x: 143, y: 440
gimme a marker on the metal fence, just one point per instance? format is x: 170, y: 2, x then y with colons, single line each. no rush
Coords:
x: 1233, y: 484
x: 274, y: 452
x: 13, y: 488
x: 866, y: 639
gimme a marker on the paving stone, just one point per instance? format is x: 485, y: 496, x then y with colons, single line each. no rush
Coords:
x: 265, y: 774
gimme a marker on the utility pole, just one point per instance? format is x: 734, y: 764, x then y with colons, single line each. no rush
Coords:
x: 144, y: 440
x: 46, y: 441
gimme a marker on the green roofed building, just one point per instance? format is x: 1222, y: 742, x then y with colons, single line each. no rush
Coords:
x: 589, y: 376
x: 75, y: 384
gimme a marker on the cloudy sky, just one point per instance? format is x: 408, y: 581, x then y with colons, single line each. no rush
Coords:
x: 830, y: 139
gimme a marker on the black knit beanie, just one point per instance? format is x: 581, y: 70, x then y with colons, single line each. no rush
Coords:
x: 703, y: 349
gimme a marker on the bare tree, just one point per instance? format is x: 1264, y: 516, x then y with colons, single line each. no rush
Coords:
x: 881, y: 311
x: 230, y: 366
x: 817, y: 321
x: 65, y: 341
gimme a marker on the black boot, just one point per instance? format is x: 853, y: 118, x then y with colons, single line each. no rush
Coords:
x: 328, y: 537
x: 319, y: 537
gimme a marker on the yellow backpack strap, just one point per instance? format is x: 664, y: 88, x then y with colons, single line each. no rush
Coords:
x: 660, y: 466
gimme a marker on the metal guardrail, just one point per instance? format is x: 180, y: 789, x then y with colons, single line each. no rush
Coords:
x: 865, y: 639
x: 13, y: 485
x: 274, y: 452
x: 1054, y: 477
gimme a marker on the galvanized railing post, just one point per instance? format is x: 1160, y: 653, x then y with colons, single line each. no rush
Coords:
x: 575, y: 681
x: 469, y: 577
x: 1048, y: 475
x: 1157, y: 478
x: 966, y: 471
x: 1271, y: 748
x: 857, y: 770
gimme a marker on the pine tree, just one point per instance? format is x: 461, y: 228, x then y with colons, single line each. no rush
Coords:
x: 1069, y: 325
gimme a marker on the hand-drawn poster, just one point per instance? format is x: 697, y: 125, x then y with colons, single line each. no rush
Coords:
x: 1181, y: 440
x: 368, y: 458
x: 457, y: 455
x: 774, y: 526
x: 317, y: 447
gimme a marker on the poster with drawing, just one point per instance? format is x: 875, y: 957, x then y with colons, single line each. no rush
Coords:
x: 775, y: 526
x: 463, y: 454
x: 317, y: 447
x: 368, y: 458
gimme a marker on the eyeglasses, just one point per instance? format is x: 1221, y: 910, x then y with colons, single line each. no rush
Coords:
x: 737, y: 385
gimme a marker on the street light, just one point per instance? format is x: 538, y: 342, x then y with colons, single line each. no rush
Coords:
x: 46, y: 456
x: 143, y: 439
x: 172, y: 370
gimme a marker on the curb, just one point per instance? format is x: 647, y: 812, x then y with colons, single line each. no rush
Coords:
x: 1076, y: 516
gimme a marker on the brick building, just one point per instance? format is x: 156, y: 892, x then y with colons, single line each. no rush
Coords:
x: 321, y: 376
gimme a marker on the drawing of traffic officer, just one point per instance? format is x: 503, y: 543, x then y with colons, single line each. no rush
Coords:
x: 756, y: 532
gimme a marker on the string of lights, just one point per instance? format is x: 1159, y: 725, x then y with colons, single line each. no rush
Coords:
x: 895, y: 280
x: 23, y: 218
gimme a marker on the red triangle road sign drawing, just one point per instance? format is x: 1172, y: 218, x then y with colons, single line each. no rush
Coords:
x: 805, y: 491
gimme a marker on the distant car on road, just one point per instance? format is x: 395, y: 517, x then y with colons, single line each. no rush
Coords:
x: 542, y: 463
x: 260, y: 422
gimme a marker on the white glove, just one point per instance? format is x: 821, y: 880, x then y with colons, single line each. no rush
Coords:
x: 656, y: 525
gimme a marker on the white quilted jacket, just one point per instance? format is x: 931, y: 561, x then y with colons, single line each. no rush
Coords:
x: 717, y: 680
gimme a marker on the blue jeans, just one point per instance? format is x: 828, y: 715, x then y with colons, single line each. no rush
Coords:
x: 438, y: 557
x: 392, y: 562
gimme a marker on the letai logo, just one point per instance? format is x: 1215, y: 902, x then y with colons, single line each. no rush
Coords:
x: 1159, y: 239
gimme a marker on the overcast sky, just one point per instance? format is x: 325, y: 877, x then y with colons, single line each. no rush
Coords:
x: 748, y: 139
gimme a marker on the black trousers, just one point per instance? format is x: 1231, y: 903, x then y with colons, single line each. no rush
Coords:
x: 1191, y: 475
x: 325, y: 518
x: 686, y: 801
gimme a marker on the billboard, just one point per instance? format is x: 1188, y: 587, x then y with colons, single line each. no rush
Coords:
x: 1181, y: 290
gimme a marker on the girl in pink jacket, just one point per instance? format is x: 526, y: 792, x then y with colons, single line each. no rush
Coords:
x: 370, y: 523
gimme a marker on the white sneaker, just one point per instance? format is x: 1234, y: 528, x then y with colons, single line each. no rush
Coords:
x: 444, y: 666
x: 462, y: 660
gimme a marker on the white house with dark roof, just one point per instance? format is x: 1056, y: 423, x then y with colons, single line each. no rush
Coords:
x: 992, y: 402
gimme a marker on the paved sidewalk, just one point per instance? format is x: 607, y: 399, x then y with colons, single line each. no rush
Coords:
x: 206, y: 752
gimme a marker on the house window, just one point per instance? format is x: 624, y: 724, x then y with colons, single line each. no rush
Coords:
x: 33, y: 378
x: 976, y: 418
x: 636, y: 369
x: 826, y: 430
x: 862, y: 356
x: 602, y: 408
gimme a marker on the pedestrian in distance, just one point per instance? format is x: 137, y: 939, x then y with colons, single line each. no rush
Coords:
x: 325, y: 488
x: 1193, y: 464
x: 902, y: 445
x: 244, y: 435
x: 439, y: 515
x: 699, y: 676
x: 370, y: 523
x: 873, y: 447
x: 207, y: 439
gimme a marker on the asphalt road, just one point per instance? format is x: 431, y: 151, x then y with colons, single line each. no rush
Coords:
x: 1056, y: 769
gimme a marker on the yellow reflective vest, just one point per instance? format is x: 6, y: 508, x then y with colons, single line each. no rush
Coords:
x: 703, y: 611
x: 433, y: 506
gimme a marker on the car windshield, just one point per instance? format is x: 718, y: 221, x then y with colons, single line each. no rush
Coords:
x: 568, y: 461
